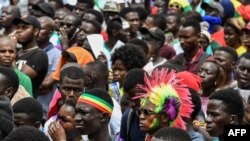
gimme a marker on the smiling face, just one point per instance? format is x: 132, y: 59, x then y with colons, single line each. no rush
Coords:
x: 88, y: 119
x: 232, y: 38
x: 243, y: 73
x: 216, y: 117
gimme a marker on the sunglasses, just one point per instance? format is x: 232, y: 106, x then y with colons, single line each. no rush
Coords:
x: 68, y: 25
x: 145, y: 112
x: 175, y: 5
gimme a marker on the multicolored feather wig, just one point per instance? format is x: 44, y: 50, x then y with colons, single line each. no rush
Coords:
x: 165, y: 91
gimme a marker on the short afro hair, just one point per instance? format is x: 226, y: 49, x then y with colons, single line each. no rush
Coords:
x: 172, y: 134
x: 133, y: 78
x: 194, y: 24
x: 26, y: 133
x: 131, y: 56
x: 232, y: 101
x: 172, y: 65
x: 159, y: 21
x: 9, y: 78
x: 72, y: 72
x: 231, y: 51
x: 127, y: 10
x: 143, y: 13
x: 140, y: 43
x: 98, y: 15
x: 245, y: 55
x: 114, y: 24
x: 90, y: 3
x: 98, y: 26
x: 31, y: 107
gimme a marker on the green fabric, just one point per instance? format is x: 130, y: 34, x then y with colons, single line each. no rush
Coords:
x: 25, y: 81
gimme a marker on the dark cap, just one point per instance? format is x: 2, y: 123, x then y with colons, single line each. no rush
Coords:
x: 46, y: 8
x: 29, y: 19
x: 69, y: 56
x: 213, y: 4
x: 155, y: 33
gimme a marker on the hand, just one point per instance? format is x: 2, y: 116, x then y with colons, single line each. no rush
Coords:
x: 64, y: 38
x: 57, y: 132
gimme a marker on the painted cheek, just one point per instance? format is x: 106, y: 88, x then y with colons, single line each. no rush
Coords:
x: 154, y: 124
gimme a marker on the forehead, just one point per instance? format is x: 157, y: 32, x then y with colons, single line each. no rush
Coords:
x: 214, y: 104
x: 244, y: 62
x: 209, y: 65
x: 70, y: 18
x: 86, y: 107
x: 67, y: 81
x: 66, y: 110
x: 222, y: 54
x: 7, y: 43
x: 146, y: 104
x: 131, y: 15
x: 189, y: 30
x: 171, y: 18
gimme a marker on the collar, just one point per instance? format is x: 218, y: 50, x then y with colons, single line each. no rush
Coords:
x: 48, y: 48
x: 197, y: 56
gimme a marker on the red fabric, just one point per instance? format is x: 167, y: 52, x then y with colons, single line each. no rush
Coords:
x: 219, y: 37
x: 154, y: 10
x: 105, y: 36
x: 244, y: 11
x: 54, y: 107
x: 191, y: 80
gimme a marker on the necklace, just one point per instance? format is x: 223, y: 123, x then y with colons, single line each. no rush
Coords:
x: 21, y: 52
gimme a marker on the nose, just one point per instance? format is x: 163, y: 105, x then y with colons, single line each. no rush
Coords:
x: 78, y: 118
x: 202, y: 74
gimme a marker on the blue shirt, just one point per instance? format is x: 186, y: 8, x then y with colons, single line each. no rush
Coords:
x: 53, y: 55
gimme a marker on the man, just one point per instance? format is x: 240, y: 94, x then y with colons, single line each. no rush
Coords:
x: 193, y: 56
x: 82, y: 6
x: 132, y: 16
x: 7, y: 58
x: 69, y: 27
x: 70, y: 86
x: 94, y: 109
x: 96, y: 76
x: 28, y: 112
x: 8, y: 14
x: 155, y: 39
x: 224, y: 107
x: 130, y: 129
x: 242, y: 71
x: 227, y: 58
x: 31, y: 60
x: 8, y: 82
x: 43, y: 9
x: 6, y: 117
x: 47, y: 87
x: 245, y: 36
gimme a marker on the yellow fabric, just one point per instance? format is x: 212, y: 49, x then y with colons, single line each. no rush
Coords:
x: 236, y: 4
x: 241, y: 50
x: 183, y: 3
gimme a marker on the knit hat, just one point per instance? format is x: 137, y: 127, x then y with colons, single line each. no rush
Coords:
x: 204, y: 30
x: 6, y: 115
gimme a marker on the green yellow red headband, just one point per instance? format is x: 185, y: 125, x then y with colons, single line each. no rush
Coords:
x: 96, y: 102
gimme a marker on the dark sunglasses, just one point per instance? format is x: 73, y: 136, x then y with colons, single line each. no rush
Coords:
x: 68, y: 25
x: 174, y: 5
x: 145, y: 112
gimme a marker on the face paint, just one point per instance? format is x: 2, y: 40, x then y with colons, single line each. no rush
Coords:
x: 155, y: 123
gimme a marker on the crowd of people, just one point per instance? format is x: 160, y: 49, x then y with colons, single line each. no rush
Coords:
x: 123, y: 70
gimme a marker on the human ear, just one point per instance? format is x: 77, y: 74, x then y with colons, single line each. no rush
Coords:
x: 9, y: 92
x: 105, y: 117
x: 234, y: 120
x: 37, y: 124
x: 36, y: 32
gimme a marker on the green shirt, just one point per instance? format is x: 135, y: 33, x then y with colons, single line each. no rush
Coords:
x: 25, y: 81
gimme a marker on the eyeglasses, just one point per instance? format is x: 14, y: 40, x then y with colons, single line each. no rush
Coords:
x: 145, y: 112
x: 175, y: 5
x: 68, y: 25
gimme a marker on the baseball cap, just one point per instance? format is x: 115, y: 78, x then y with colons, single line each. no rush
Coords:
x: 213, y: 4
x: 46, y: 8
x: 247, y: 27
x: 155, y: 33
x: 27, y: 19
x: 112, y: 6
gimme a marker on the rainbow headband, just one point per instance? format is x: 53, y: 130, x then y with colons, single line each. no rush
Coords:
x: 96, y: 102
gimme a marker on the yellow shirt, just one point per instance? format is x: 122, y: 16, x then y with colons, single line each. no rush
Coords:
x: 241, y: 50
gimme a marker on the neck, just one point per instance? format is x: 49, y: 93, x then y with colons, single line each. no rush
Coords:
x: 206, y: 92
x: 9, y: 30
x: 100, y: 135
x: 29, y: 45
x: 190, y: 126
x: 157, y: 59
x: 190, y: 55
x: 111, y: 42
x: 43, y: 44
x: 229, y: 78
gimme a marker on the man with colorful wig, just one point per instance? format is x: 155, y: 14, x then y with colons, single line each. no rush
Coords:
x: 166, y: 102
